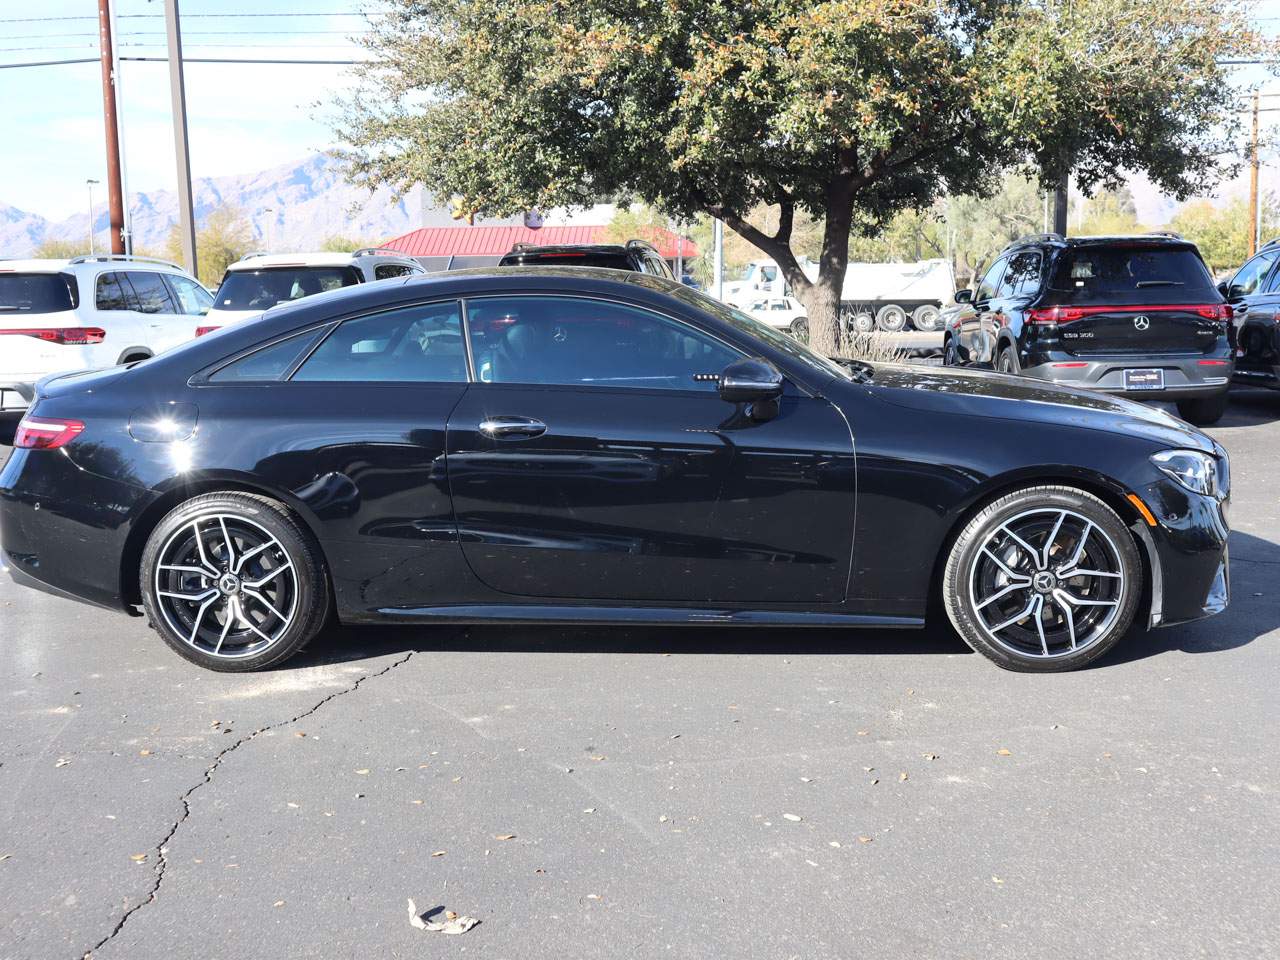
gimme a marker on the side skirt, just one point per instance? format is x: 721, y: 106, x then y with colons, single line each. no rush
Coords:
x: 545, y: 613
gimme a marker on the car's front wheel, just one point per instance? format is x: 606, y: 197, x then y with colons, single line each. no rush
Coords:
x: 233, y: 582
x: 1043, y: 579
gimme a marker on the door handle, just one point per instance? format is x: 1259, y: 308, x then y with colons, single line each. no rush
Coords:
x: 512, y: 428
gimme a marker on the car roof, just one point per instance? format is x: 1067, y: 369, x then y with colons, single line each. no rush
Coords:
x: 60, y: 265
x: 33, y: 266
x: 557, y: 248
x: 317, y: 258
x: 1157, y: 239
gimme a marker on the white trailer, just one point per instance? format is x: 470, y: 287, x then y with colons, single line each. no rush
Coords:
x: 885, y: 296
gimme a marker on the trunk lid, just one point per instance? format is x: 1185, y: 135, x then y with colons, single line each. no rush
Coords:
x: 1149, y: 330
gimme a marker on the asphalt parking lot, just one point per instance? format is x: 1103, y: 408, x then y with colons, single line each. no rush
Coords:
x: 629, y: 793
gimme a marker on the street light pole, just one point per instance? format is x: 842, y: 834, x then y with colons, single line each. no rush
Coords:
x: 90, y: 184
x: 178, y: 93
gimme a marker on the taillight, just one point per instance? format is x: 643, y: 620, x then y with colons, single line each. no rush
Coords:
x: 1215, y: 311
x: 74, y: 335
x: 201, y: 331
x: 1212, y: 363
x: 45, y: 433
x: 1055, y: 314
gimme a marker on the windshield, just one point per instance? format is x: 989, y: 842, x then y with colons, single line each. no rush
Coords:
x: 1132, y: 274
x: 762, y: 331
x: 263, y: 289
x: 614, y: 261
x: 27, y: 293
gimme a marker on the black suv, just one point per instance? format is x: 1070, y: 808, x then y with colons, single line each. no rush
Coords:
x: 1137, y: 316
x: 636, y: 255
x: 1254, y: 295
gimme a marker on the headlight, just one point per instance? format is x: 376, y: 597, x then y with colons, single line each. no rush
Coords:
x: 1196, y: 471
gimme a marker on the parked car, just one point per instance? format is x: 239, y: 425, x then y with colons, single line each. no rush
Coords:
x: 548, y: 446
x: 636, y: 255
x: 782, y: 313
x: 1136, y: 316
x: 258, y: 281
x: 1254, y: 295
x: 90, y: 311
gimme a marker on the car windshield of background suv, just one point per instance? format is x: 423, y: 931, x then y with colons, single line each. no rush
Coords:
x: 1131, y: 275
x: 263, y: 289
x: 35, y: 293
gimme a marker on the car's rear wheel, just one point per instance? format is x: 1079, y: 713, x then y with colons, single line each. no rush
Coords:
x: 1007, y: 362
x: 1044, y: 579
x: 1204, y: 411
x: 800, y: 329
x: 233, y: 582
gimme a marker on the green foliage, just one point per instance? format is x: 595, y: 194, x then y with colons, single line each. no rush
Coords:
x: 1109, y: 213
x: 226, y: 237
x: 1222, y: 233
x: 845, y: 112
x: 341, y: 244
x: 59, y: 250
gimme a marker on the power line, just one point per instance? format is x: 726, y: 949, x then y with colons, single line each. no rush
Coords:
x: 299, y: 62
x: 185, y: 16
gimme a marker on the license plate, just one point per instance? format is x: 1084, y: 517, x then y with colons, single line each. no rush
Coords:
x: 1144, y: 379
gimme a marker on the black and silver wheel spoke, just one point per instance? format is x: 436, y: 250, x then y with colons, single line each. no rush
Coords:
x: 226, y: 585
x: 1047, y: 583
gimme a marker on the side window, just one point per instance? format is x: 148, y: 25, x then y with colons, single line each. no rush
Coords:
x: 579, y: 342
x: 269, y: 363
x: 153, y: 295
x: 1248, y: 279
x: 418, y: 344
x: 1023, y: 276
x: 990, y: 284
x: 385, y: 271
x: 658, y: 266
x: 193, y: 299
x: 114, y: 293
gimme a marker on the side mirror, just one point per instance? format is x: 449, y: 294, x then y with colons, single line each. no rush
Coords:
x: 964, y: 296
x: 750, y: 380
x: 1224, y: 288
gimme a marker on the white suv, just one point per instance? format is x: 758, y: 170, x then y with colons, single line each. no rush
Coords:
x: 87, y: 312
x: 258, y: 281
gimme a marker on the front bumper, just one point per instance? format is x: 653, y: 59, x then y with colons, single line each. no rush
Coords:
x: 1184, y: 378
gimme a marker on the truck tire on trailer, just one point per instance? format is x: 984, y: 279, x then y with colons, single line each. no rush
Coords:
x: 891, y: 318
x: 863, y: 322
x: 925, y: 317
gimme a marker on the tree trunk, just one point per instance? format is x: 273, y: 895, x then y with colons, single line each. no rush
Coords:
x: 822, y: 303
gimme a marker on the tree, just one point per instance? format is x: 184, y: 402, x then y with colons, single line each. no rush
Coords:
x: 1110, y: 212
x: 1222, y: 233
x: 341, y: 244
x: 58, y: 250
x: 845, y: 110
x: 226, y: 236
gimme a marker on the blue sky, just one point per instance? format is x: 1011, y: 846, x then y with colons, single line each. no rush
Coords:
x: 242, y: 118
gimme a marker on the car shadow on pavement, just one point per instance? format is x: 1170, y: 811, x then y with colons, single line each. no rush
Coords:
x: 1249, y: 408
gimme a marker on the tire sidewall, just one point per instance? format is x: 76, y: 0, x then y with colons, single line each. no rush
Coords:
x: 312, y: 584
x: 964, y: 551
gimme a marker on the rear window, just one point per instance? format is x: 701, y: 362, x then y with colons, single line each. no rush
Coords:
x: 1131, y: 274
x: 28, y: 293
x: 614, y: 261
x: 263, y: 289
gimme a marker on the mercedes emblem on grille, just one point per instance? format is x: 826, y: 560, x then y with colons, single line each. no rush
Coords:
x: 1142, y: 322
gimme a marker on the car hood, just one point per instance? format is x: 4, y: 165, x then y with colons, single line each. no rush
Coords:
x: 983, y: 394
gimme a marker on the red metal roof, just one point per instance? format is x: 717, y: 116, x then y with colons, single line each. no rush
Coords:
x: 463, y: 241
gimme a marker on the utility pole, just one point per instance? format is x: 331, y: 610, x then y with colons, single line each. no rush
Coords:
x: 1255, y: 227
x: 115, y: 193
x: 90, y: 184
x: 178, y: 93
x: 127, y: 231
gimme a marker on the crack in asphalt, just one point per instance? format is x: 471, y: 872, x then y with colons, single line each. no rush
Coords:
x: 162, y: 861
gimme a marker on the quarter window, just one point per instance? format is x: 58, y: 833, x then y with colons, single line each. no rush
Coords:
x: 1023, y: 275
x: 385, y: 271
x: 418, y: 344
x: 579, y: 342
x: 114, y: 293
x: 153, y: 295
x: 269, y: 363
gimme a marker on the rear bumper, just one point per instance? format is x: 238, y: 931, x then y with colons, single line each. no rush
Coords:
x: 1185, y: 378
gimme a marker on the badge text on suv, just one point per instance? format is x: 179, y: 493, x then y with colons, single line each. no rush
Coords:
x: 1137, y: 316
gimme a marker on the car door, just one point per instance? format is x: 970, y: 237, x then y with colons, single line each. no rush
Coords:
x: 193, y: 302
x: 1254, y: 295
x: 117, y: 312
x: 593, y: 458
x: 1018, y: 288
x: 166, y: 326
x: 976, y: 323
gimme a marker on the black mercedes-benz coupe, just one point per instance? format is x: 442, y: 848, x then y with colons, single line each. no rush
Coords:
x: 572, y: 445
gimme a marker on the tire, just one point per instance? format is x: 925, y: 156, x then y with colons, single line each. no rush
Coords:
x: 891, y: 318
x: 1205, y: 411
x: 1007, y: 362
x: 950, y: 353
x: 986, y: 562
x: 863, y: 322
x: 271, y: 589
x: 800, y: 329
x: 925, y: 317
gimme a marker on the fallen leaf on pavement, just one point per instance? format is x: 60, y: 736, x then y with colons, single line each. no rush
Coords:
x: 438, y: 853
x: 862, y: 733
x: 792, y: 817
x: 144, y: 753
x: 138, y: 857
x: 865, y: 839
x: 996, y: 880
x: 504, y: 836
x: 453, y: 924
x: 902, y: 776
x: 363, y: 773
x: 278, y: 903
x: 834, y: 843
x: 1002, y: 752
x: 62, y: 761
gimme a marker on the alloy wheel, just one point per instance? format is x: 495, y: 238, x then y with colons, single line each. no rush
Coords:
x: 226, y: 585
x: 1047, y: 583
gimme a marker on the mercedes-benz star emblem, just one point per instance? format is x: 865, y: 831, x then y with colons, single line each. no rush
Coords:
x: 1142, y: 322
